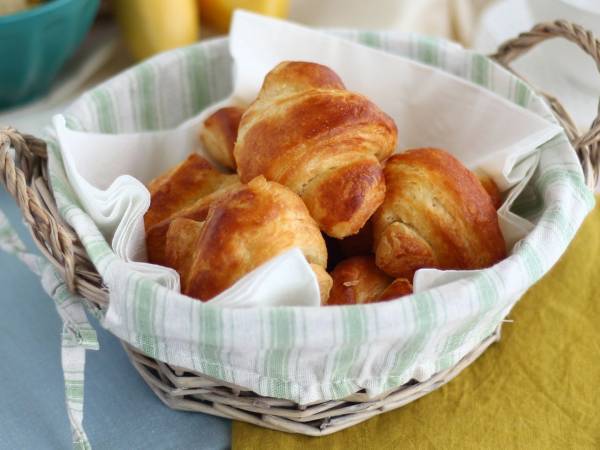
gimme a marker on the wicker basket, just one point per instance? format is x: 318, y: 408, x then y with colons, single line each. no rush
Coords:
x: 24, y: 174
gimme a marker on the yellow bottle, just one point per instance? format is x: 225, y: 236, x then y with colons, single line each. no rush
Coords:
x: 217, y: 13
x: 153, y: 26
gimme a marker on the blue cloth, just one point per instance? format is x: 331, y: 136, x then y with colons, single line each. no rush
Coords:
x: 121, y: 412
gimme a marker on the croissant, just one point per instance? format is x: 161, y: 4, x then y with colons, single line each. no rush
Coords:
x: 219, y: 133
x: 491, y: 188
x: 325, y: 143
x: 181, y: 239
x: 323, y: 280
x: 244, y: 228
x: 399, y: 288
x: 437, y: 214
x: 187, y: 190
x: 357, y: 280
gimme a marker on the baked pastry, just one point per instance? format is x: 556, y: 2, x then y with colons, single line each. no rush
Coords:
x: 219, y: 133
x: 399, y: 288
x: 181, y: 239
x: 491, y: 188
x: 437, y: 214
x: 307, y: 132
x: 181, y: 186
x: 244, y: 228
x: 357, y: 280
x: 181, y: 242
x: 156, y: 236
x: 184, y: 191
x: 323, y: 280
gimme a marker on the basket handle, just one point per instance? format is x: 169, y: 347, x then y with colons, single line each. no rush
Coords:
x: 17, y: 173
x: 587, y: 145
x: 22, y: 173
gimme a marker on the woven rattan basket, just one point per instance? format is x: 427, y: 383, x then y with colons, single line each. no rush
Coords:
x: 24, y: 174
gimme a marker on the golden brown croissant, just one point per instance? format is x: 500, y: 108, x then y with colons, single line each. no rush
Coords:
x: 399, y: 288
x: 181, y: 247
x: 357, y: 280
x: 437, y: 214
x: 323, y: 280
x: 219, y: 134
x: 181, y: 239
x: 307, y: 132
x: 181, y: 186
x: 184, y: 191
x: 243, y: 229
x: 491, y: 188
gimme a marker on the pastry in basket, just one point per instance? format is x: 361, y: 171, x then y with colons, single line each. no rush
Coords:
x: 399, y: 288
x: 181, y: 186
x: 436, y: 213
x: 180, y: 244
x: 219, y: 133
x: 491, y: 188
x: 358, y: 280
x: 181, y: 247
x: 307, y: 132
x: 243, y: 229
x: 184, y: 191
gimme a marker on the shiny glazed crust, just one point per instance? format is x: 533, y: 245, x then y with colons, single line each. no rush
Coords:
x: 219, y: 133
x: 245, y: 228
x: 181, y: 186
x: 399, y: 288
x: 307, y: 132
x: 357, y: 280
x: 181, y: 240
x: 187, y: 191
x: 436, y: 213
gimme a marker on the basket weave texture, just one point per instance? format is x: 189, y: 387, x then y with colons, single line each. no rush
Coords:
x: 23, y: 172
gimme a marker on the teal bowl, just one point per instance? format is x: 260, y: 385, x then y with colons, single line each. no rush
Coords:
x: 34, y: 45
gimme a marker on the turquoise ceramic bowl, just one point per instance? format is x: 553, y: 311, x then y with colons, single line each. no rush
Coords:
x: 34, y: 45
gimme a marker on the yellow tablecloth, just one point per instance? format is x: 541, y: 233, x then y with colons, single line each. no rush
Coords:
x: 538, y: 388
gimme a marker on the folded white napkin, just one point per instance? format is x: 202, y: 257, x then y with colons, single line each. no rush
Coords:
x: 431, y: 108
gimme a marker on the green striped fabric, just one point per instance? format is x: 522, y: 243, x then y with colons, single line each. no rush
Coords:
x: 310, y: 354
x: 77, y: 334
